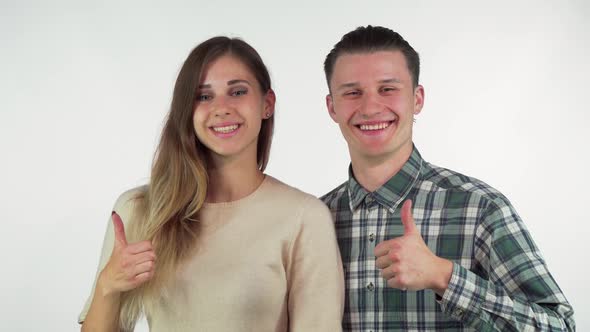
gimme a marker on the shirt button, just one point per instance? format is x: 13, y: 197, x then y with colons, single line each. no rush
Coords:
x: 370, y: 202
x: 459, y: 312
x: 370, y: 287
x: 371, y: 237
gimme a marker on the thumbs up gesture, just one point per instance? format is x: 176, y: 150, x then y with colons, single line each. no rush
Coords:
x: 130, y: 265
x: 407, y: 263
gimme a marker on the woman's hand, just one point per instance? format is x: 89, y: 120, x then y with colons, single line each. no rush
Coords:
x: 130, y: 265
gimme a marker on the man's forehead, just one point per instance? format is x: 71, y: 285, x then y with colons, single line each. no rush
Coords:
x: 376, y: 66
x: 394, y: 55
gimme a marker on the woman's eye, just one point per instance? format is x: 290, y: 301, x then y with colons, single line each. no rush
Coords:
x: 239, y: 92
x: 203, y: 97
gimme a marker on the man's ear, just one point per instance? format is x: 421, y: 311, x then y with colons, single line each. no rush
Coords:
x: 330, y: 106
x: 418, y: 99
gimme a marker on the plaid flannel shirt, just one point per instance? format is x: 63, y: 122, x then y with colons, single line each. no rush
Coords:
x: 499, y: 281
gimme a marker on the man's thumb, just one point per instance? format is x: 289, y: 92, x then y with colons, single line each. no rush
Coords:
x: 120, y: 238
x: 407, y: 218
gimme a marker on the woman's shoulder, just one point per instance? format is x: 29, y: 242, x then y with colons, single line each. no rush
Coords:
x: 126, y: 202
x: 129, y: 196
x: 277, y: 187
x: 307, y: 214
x: 293, y: 196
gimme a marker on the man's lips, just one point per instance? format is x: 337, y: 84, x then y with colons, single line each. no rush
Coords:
x: 374, y: 126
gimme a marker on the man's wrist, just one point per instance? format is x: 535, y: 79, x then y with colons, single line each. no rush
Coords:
x: 444, y: 270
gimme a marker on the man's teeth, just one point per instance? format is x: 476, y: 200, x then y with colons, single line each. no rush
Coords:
x: 375, y: 126
x: 226, y: 129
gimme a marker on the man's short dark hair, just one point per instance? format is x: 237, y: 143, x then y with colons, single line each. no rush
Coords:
x: 372, y: 39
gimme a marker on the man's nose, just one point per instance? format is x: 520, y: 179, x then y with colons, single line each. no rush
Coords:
x: 371, y: 105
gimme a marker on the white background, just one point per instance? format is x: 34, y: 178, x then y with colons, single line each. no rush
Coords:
x: 84, y: 88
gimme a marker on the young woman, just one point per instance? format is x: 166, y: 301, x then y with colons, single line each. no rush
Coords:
x: 212, y: 243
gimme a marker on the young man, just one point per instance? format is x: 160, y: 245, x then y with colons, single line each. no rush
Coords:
x: 424, y: 248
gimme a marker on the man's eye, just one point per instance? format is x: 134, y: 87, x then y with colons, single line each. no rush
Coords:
x: 239, y: 92
x: 203, y: 97
x: 388, y: 89
x: 352, y: 93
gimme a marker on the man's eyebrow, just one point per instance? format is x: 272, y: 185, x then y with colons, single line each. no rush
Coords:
x: 347, y: 85
x: 390, y: 80
x: 353, y: 84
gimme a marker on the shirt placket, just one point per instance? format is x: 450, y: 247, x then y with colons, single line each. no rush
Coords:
x: 371, y: 214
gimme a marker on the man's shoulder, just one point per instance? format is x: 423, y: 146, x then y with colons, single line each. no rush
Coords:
x: 335, y: 195
x: 437, y: 178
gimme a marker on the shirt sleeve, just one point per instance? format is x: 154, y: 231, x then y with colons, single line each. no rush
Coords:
x: 514, y: 290
x: 316, y: 279
x: 124, y: 210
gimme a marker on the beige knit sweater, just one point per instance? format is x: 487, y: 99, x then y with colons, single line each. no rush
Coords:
x: 267, y: 262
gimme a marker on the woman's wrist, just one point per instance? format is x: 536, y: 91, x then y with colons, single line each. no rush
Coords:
x: 104, y: 289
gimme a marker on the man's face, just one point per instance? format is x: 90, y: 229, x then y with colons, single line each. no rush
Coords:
x: 373, y: 101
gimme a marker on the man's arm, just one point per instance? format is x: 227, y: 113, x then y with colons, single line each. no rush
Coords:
x: 517, y: 292
x: 514, y: 291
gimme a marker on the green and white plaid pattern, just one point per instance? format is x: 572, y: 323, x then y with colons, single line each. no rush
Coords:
x: 499, y: 283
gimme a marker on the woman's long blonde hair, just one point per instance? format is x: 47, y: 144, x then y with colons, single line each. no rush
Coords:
x: 166, y: 211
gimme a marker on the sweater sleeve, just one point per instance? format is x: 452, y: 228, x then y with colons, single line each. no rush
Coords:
x: 316, y: 283
x: 123, y: 208
x: 517, y: 292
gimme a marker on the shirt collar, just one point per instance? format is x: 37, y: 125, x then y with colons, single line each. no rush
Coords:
x: 392, y: 192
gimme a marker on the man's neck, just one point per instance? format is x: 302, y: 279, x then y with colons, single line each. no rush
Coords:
x: 372, y: 173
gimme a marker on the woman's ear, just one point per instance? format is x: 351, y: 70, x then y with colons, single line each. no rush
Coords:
x: 269, y: 104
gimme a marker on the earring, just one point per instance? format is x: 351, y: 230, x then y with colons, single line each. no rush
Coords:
x: 267, y: 115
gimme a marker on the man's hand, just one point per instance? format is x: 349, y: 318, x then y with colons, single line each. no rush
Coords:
x: 407, y: 263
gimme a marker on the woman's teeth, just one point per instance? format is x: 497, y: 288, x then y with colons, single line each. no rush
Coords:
x: 226, y: 129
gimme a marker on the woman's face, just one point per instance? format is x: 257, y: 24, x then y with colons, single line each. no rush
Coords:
x: 229, y: 108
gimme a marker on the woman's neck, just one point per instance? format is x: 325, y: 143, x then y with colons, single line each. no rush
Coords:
x: 231, y: 180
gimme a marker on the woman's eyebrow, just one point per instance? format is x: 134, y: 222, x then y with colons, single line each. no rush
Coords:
x: 236, y: 81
